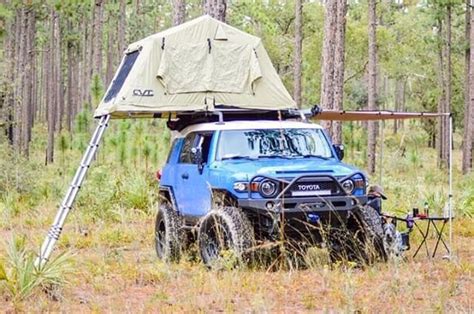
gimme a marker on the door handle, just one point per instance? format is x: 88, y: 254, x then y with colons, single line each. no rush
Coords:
x: 185, y: 176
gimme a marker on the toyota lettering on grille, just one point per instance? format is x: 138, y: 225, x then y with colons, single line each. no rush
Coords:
x: 308, y: 187
x: 309, y: 190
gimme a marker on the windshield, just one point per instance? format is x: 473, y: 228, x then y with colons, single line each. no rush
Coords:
x: 284, y: 143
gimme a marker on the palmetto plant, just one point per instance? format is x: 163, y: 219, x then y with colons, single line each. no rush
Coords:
x: 20, y: 279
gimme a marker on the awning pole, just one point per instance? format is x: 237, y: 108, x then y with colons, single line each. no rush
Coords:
x: 382, y: 141
x: 450, y: 196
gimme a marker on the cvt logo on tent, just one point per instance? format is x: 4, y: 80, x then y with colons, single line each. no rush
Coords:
x: 143, y: 92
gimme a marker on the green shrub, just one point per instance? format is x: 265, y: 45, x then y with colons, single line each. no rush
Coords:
x: 20, y: 279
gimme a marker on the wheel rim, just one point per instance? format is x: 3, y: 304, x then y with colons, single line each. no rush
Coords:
x: 160, y: 238
x: 217, y: 240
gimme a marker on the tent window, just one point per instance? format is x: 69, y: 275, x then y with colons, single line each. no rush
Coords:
x: 123, y: 72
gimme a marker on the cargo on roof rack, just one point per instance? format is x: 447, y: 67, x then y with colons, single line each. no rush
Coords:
x: 200, y: 65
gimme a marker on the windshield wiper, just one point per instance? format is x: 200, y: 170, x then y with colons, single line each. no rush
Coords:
x: 237, y: 157
x: 314, y: 156
x: 274, y: 156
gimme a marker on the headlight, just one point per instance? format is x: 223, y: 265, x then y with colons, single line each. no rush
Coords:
x: 348, y: 186
x: 240, y: 186
x: 268, y: 188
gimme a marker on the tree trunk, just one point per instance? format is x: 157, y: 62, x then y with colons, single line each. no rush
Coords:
x: 467, y: 33
x: 327, y: 65
x: 372, y: 86
x: 20, y: 38
x: 9, y: 104
x: 25, y: 83
x: 122, y: 24
x: 28, y: 76
x: 339, y: 51
x: 51, y: 104
x: 86, y: 63
x: 32, y: 72
x: 70, y: 103
x: 179, y: 11
x: 9, y: 74
x: 97, y: 38
x: 111, y: 41
x: 46, y: 75
x: 298, y: 52
x: 216, y: 8
x: 58, y: 76
x: 469, y: 99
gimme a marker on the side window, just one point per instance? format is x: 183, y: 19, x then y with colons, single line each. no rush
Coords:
x: 172, y: 150
x: 205, y: 143
x: 186, y: 157
x: 202, y: 140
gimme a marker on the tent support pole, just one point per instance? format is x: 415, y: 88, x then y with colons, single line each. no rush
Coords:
x: 68, y: 200
x: 450, y: 196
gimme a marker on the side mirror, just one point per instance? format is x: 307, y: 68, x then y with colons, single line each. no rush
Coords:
x: 196, y: 156
x: 339, y: 148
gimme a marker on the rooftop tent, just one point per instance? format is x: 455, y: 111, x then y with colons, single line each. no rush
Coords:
x: 197, y: 65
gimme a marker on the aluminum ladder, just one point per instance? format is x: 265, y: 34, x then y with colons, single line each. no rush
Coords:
x: 68, y: 200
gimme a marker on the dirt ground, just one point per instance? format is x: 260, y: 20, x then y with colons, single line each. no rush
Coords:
x: 116, y: 270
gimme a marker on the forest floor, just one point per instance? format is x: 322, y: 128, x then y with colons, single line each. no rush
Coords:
x: 108, y: 241
x: 115, y: 269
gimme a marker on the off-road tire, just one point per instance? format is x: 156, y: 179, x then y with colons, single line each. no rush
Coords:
x: 225, y: 229
x: 168, y: 233
x: 369, y: 231
x: 361, y: 241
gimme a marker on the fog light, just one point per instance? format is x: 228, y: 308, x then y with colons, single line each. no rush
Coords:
x: 270, y: 205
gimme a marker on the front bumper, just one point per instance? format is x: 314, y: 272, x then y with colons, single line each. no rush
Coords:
x: 300, y: 217
x: 307, y: 204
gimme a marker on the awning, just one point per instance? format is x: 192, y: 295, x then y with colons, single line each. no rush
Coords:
x: 369, y: 115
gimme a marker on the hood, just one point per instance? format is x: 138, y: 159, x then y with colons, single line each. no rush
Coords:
x: 284, y: 168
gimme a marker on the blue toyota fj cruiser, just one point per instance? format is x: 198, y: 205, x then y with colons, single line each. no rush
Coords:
x: 232, y: 185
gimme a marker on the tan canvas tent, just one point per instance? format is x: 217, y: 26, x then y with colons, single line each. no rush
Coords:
x: 194, y: 66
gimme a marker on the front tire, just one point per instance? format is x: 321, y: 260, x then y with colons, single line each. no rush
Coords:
x: 222, y: 230
x: 369, y: 231
x: 361, y: 241
x: 168, y: 233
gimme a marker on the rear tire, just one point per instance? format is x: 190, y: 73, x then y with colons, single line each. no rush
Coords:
x: 168, y: 233
x: 226, y: 229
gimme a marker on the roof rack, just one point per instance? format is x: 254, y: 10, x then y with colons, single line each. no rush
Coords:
x: 179, y: 121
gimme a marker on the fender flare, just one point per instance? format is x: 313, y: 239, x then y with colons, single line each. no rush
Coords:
x: 167, y: 193
x: 226, y: 195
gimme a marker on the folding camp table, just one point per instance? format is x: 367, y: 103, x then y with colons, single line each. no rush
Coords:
x: 431, y: 220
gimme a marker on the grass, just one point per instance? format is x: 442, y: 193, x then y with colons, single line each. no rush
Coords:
x: 105, y: 259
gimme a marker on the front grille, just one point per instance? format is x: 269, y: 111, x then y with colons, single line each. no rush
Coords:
x: 313, y: 187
